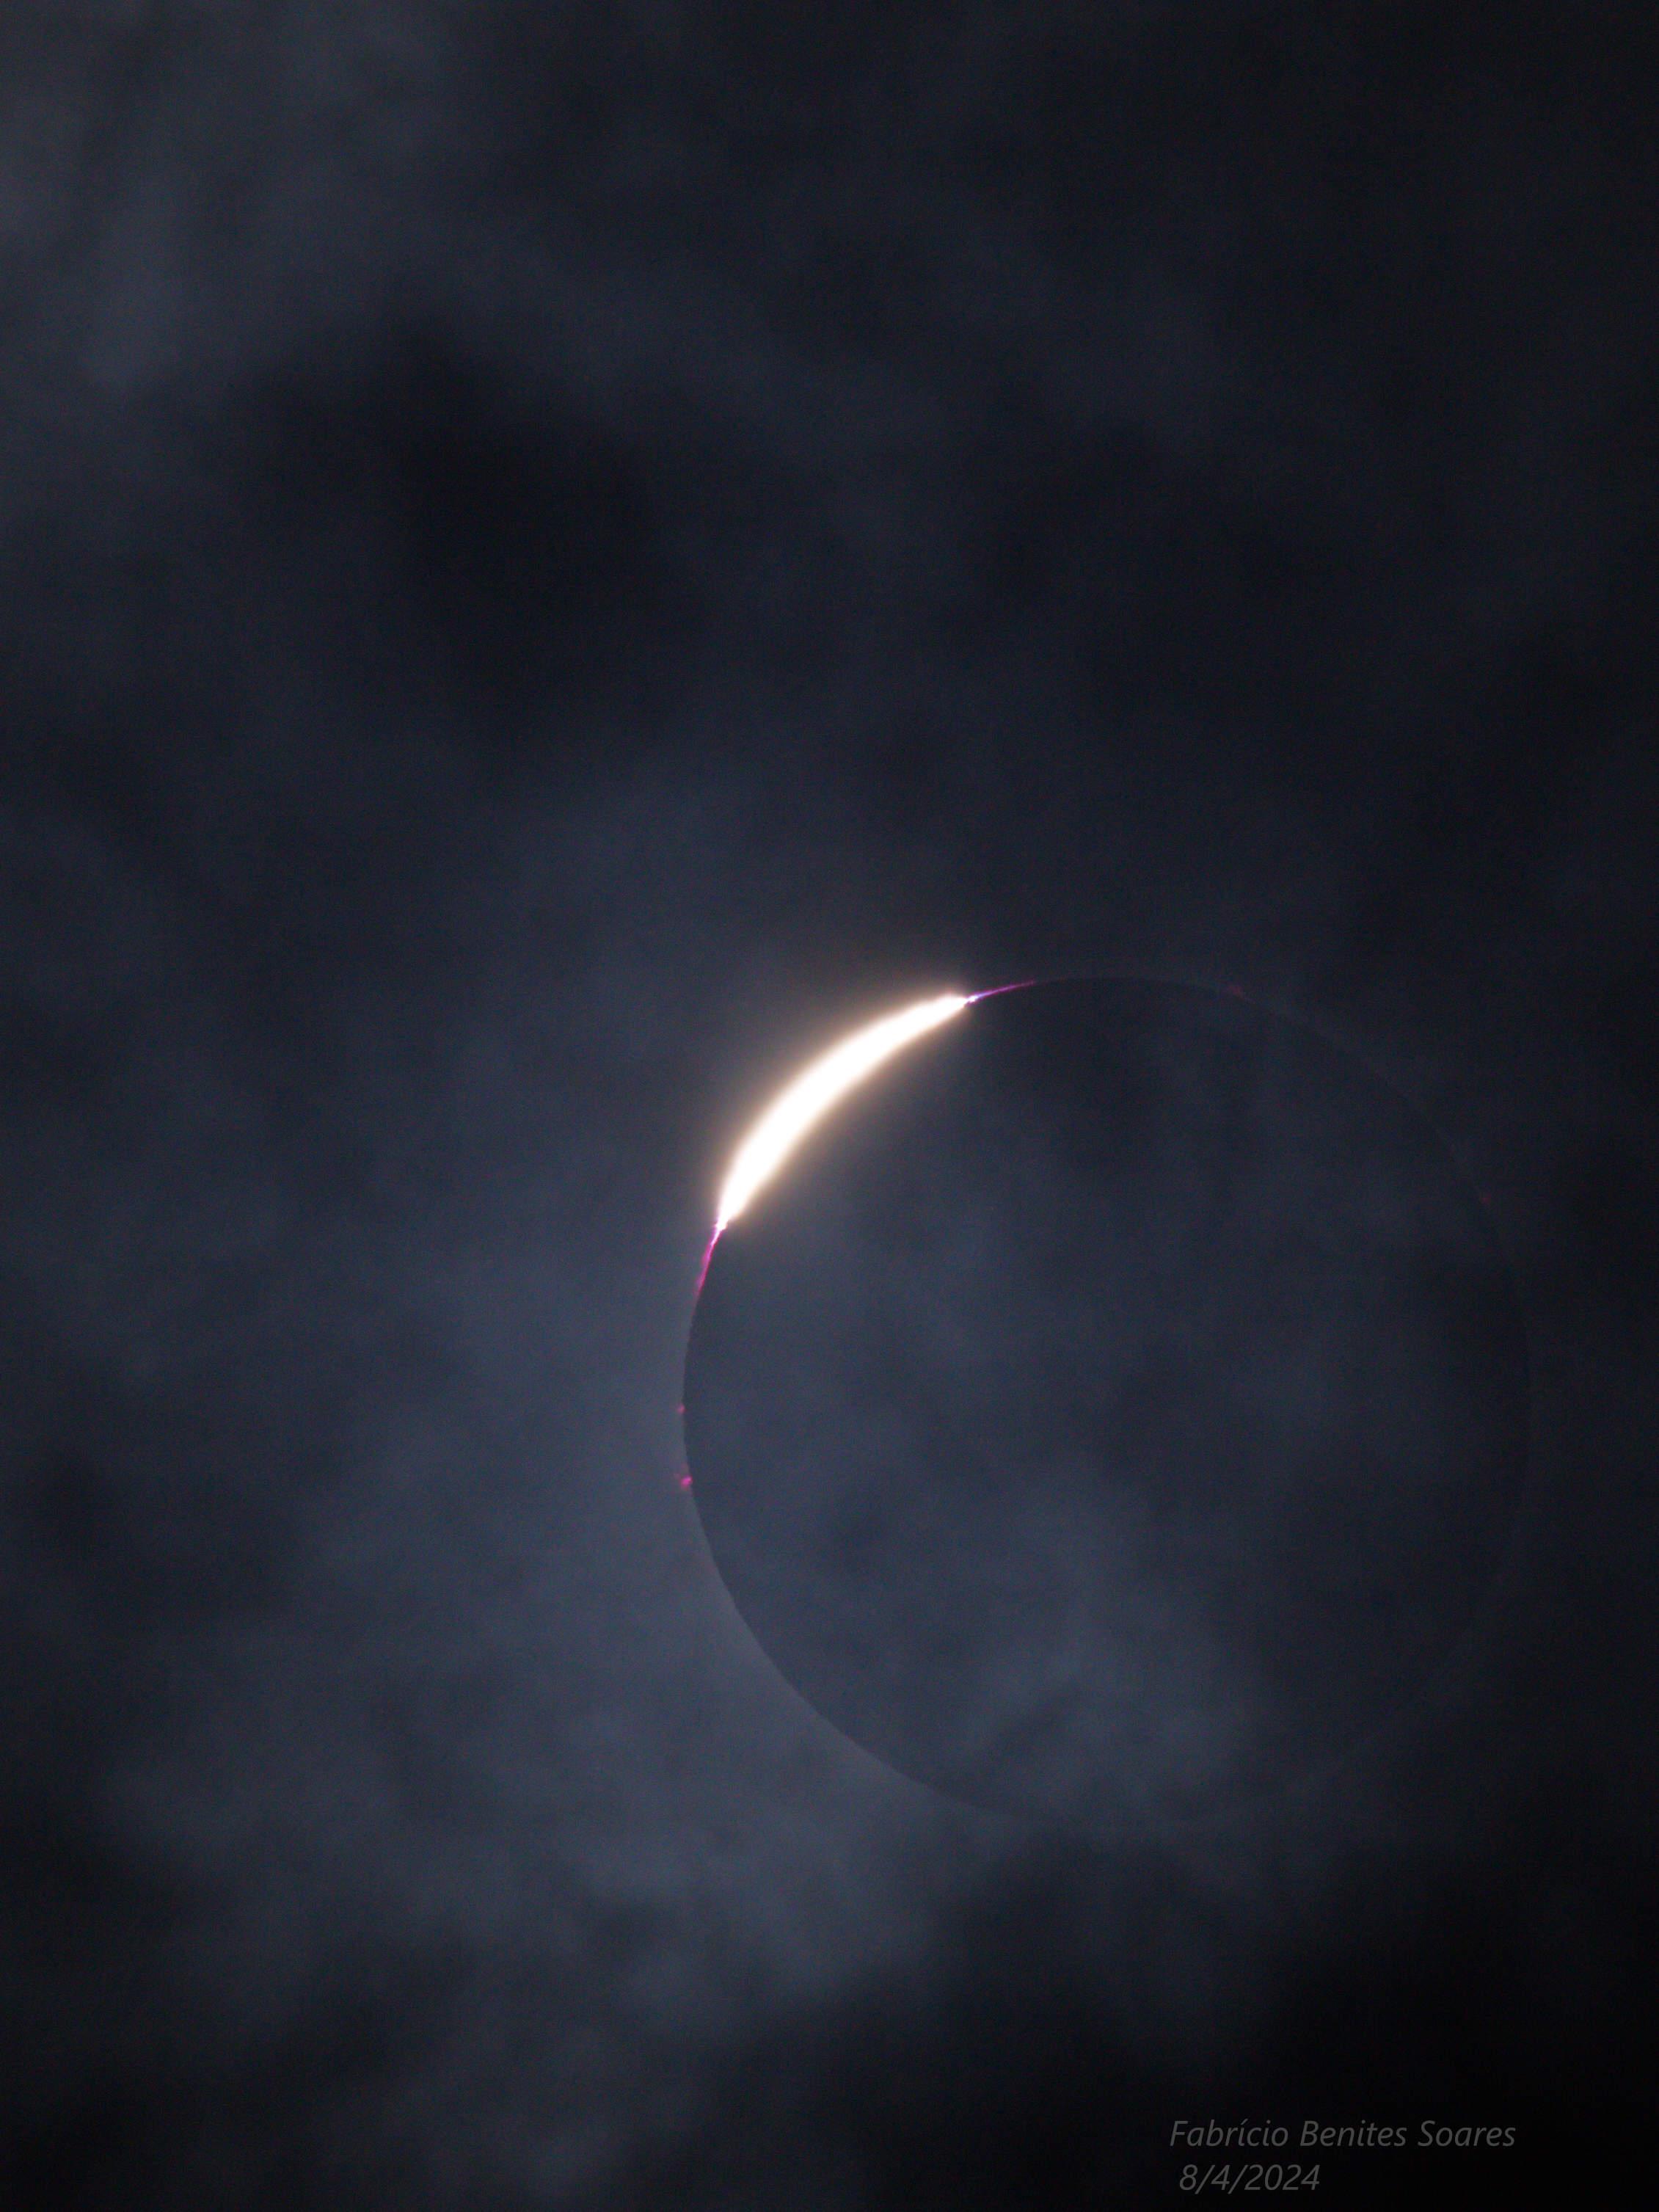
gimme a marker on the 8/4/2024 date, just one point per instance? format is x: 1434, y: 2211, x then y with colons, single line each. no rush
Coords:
x: 1235, y: 2180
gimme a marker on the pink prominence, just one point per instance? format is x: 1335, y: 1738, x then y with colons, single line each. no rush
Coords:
x: 703, y: 1272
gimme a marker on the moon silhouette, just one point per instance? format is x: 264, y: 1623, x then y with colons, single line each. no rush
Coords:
x: 1121, y: 1416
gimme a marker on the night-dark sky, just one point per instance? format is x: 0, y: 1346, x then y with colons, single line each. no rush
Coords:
x: 552, y: 558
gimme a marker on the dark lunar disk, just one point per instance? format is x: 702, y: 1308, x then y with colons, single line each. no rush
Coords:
x: 1115, y: 1409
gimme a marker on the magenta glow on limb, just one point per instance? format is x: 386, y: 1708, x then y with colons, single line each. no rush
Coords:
x: 997, y: 990
x: 703, y: 1272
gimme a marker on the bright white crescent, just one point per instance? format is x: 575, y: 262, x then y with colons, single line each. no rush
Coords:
x: 804, y: 1102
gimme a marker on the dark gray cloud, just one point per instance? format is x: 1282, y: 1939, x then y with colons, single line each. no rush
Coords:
x: 546, y: 554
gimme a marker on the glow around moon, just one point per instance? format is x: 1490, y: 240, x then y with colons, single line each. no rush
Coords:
x: 815, y: 1091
